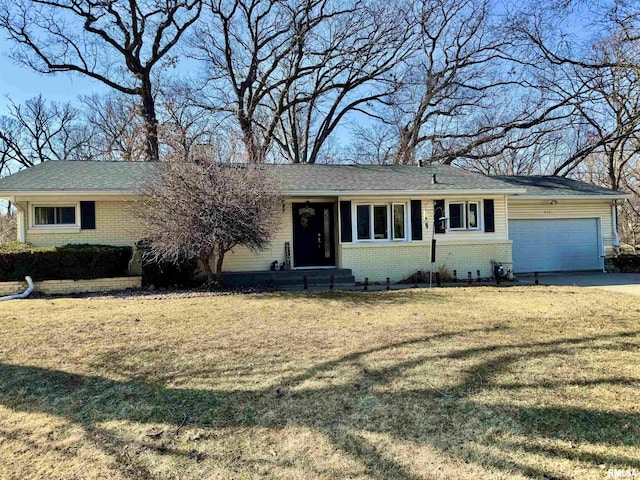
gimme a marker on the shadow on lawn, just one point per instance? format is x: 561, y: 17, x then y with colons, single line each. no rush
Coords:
x: 363, y: 406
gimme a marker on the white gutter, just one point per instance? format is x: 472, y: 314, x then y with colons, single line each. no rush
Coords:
x: 22, y: 227
x: 83, y: 193
x: 614, y: 226
x: 24, y: 294
x: 398, y: 193
x: 619, y: 196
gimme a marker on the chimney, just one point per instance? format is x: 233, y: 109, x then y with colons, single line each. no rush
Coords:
x: 420, y: 164
x: 434, y: 179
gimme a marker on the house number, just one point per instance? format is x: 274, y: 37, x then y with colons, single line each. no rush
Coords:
x: 546, y: 211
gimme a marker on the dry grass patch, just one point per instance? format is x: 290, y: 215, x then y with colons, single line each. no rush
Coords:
x: 460, y: 383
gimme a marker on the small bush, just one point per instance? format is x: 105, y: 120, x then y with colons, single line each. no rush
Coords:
x: 165, y: 274
x: 69, y: 262
x: 626, y: 263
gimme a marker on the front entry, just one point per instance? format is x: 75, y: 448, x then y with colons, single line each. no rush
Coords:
x: 313, y: 235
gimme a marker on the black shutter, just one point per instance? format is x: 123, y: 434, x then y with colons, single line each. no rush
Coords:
x: 438, y: 213
x: 88, y: 215
x: 416, y: 220
x: 489, y: 216
x: 345, y: 221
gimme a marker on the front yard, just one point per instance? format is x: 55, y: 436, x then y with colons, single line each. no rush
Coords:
x: 460, y: 383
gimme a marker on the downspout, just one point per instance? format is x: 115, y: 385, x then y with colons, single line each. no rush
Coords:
x: 24, y: 294
x: 614, y: 227
x: 22, y: 232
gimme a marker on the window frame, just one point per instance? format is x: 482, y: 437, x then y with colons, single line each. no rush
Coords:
x: 56, y: 226
x: 389, y: 206
x: 465, y: 215
x: 467, y: 211
x: 393, y: 221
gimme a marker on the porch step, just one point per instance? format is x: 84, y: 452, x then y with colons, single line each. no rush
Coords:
x: 290, y: 278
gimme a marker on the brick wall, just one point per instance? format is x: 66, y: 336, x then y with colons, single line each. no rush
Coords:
x: 398, y: 261
x: 114, y: 226
x: 73, y: 286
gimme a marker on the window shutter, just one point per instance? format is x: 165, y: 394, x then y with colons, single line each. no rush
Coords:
x: 345, y: 221
x: 438, y: 213
x: 489, y: 216
x: 416, y: 220
x: 88, y: 215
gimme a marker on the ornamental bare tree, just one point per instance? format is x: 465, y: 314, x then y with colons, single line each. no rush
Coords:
x: 119, y: 43
x: 205, y: 209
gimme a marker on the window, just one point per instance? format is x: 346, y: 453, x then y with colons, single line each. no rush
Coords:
x: 364, y: 222
x: 381, y: 222
x: 464, y: 216
x: 54, y: 216
x: 380, y: 230
x: 398, y: 222
x: 472, y: 217
x: 456, y: 215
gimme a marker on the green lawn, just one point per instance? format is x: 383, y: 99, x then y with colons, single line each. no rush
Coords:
x: 470, y: 383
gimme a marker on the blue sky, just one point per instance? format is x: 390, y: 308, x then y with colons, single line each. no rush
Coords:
x: 21, y: 83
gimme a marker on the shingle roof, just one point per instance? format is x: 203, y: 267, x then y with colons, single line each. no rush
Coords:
x: 127, y: 177
x: 553, y: 186
x: 79, y: 176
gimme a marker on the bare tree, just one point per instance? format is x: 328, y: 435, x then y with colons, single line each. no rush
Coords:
x: 204, y: 209
x: 8, y: 227
x: 117, y: 131
x: 37, y: 131
x: 288, y: 72
x: 463, y: 94
x: 120, y: 44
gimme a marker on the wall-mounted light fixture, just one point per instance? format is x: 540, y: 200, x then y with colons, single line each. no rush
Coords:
x: 553, y: 202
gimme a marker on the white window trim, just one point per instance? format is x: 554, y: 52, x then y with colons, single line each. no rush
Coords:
x: 465, y: 210
x: 393, y: 223
x: 478, y: 222
x: 67, y: 227
x: 389, y: 206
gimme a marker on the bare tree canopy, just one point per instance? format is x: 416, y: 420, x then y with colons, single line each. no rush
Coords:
x: 37, y: 131
x: 288, y: 72
x: 118, y: 43
x: 205, y: 209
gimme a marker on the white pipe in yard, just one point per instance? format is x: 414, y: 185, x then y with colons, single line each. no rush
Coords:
x: 24, y: 294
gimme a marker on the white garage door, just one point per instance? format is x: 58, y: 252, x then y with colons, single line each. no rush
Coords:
x: 555, y: 245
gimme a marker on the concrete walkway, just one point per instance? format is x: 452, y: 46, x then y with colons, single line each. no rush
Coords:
x: 616, y: 282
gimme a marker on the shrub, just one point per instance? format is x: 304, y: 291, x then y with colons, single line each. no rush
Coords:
x: 626, y: 263
x: 626, y: 249
x: 165, y: 274
x: 69, y: 262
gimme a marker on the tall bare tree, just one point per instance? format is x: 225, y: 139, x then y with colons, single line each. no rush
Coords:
x: 463, y: 93
x: 288, y: 72
x: 118, y: 43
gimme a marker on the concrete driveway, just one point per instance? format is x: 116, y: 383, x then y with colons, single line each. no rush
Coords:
x: 617, y: 282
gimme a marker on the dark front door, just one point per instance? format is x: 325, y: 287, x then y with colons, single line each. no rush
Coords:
x: 313, y: 238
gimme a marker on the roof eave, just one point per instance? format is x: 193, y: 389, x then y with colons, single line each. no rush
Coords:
x: 399, y: 193
x: 605, y: 196
x: 68, y: 193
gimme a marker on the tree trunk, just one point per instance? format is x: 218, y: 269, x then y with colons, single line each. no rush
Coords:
x: 219, y: 262
x: 207, y: 268
x: 150, y: 121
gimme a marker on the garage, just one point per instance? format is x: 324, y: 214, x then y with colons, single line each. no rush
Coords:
x: 555, y: 245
